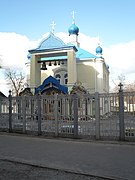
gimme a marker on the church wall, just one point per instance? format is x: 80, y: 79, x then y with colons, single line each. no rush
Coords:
x: 35, y: 74
x: 106, y: 78
x: 102, y: 77
x: 54, y: 70
x: 28, y: 73
x: 71, y: 69
x: 86, y: 75
x: 47, y: 73
x: 94, y: 76
x: 73, y: 39
x: 43, y: 76
x: 99, y: 75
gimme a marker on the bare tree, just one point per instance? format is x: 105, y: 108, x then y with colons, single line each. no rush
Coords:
x: 130, y: 87
x: 127, y: 87
x: 120, y: 79
x: 16, y: 81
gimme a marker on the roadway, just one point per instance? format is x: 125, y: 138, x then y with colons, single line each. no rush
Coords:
x: 114, y: 160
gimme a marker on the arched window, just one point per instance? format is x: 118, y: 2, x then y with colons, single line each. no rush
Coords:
x: 58, y: 77
x: 66, y: 78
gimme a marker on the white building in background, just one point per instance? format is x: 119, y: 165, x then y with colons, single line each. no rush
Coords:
x: 68, y: 63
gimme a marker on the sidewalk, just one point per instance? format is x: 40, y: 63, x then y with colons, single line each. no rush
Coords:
x: 112, y: 160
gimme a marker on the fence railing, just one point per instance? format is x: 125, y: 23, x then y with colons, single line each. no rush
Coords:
x: 94, y: 116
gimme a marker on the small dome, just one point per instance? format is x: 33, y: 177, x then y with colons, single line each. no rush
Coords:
x: 73, y: 29
x: 107, y: 66
x: 99, y: 50
x: 28, y: 56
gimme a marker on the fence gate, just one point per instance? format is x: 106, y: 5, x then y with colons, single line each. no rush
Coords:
x: 4, y: 114
x: 109, y: 116
x: 129, y: 115
x: 93, y: 116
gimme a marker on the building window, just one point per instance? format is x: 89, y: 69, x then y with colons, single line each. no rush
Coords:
x: 58, y: 77
x: 66, y: 78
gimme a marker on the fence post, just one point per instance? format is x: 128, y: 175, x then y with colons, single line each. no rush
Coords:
x: 75, y: 110
x: 56, y: 113
x: 0, y: 104
x: 24, y: 113
x: 39, y: 113
x: 10, y: 111
x: 121, y: 114
x: 97, y: 115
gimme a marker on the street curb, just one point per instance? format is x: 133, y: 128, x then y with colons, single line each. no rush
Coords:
x: 115, y: 142
x: 39, y: 165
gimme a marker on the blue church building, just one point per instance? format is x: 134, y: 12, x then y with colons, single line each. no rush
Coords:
x: 55, y: 66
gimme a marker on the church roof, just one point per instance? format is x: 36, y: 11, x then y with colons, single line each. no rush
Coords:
x: 2, y: 95
x: 54, y: 84
x: 51, y: 42
x: 54, y: 43
x: 83, y: 54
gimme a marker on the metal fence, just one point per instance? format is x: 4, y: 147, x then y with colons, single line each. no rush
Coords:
x: 109, y: 116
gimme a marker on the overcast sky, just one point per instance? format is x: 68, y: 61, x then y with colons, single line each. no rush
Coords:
x: 25, y: 23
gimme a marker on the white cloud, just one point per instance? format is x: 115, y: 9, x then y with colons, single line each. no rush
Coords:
x: 13, y: 53
x: 121, y: 60
x: 120, y: 57
x: 14, y: 49
x: 86, y: 42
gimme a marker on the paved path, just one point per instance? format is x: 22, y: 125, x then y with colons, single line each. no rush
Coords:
x: 113, y: 160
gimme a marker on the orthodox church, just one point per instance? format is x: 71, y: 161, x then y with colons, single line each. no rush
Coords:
x: 56, y: 67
